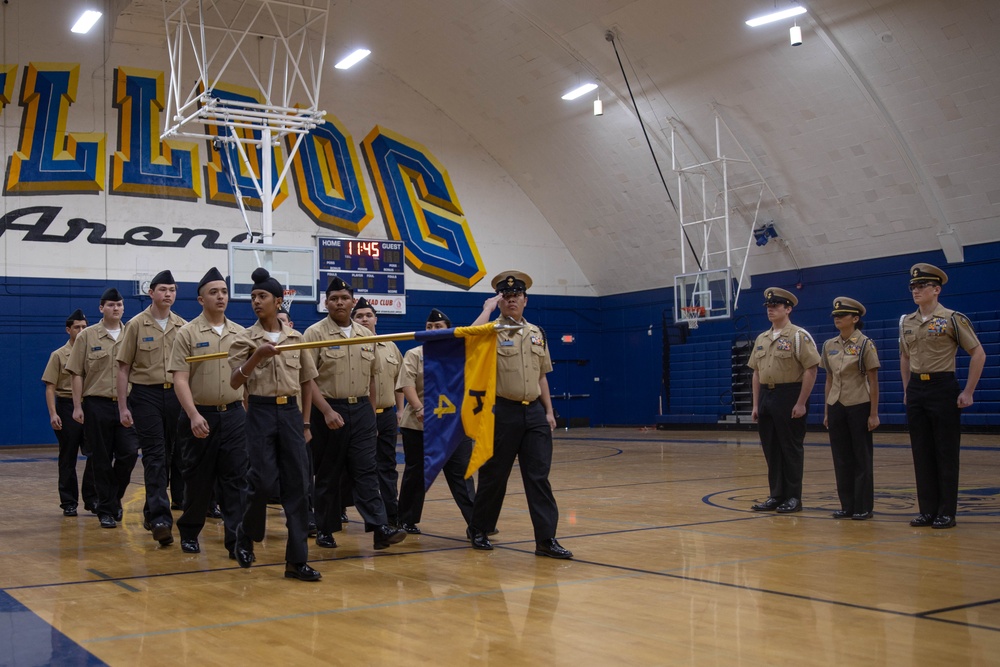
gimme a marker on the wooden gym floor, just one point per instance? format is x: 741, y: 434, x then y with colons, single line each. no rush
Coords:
x: 671, y: 568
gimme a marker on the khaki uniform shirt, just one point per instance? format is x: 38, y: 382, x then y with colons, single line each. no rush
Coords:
x: 93, y: 358
x: 387, y: 362
x: 280, y: 375
x: 843, y: 360
x: 55, y: 372
x: 209, y: 380
x: 345, y: 371
x: 932, y: 345
x: 412, y: 375
x: 783, y: 359
x: 522, y: 360
x: 147, y: 347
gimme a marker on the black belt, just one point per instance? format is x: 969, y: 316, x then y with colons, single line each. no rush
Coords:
x: 273, y: 400
x: 926, y: 377
x: 64, y: 399
x: 161, y: 385
x: 779, y: 385
x: 101, y: 398
x: 218, y: 408
x: 508, y: 401
x: 350, y: 400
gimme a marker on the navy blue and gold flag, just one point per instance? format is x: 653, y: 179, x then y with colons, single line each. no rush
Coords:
x: 460, y: 378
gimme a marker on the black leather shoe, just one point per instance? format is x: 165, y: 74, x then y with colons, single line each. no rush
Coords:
x: 944, y: 521
x: 387, y: 535
x: 789, y: 506
x: 411, y: 528
x: 69, y: 511
x: 107, y: 521
x: 119, y: 514
x: 232, y: 556
x: 481, y: 541
x: 302, y: 572
x: 862, y: 516
x: 161, y: 533
x: 768, y: 505
x: 190, y: 547
x: 343, y: 518
x: 326, y: 541
x: 922, y: 521
x: 244, y: 556
x: 214, y: 512
x: 552, y: 549
x: 311, y: 529
x: 842, y: 514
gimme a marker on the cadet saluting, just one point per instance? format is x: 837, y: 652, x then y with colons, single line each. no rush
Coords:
x: 928, y: 341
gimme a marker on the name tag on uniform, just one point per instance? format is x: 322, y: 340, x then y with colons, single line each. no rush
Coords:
x: 95, y: 349
x: 760, y: 347
x: 147, y: 339
x: 334, y: 347
x: 833, y: 352
x: 204, y: 344
x: 506, y: 343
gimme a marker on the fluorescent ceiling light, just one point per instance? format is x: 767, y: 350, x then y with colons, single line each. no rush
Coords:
x: 776, y: 16
x: 86, y: 21
x: 353, y: 59
x: 582, y: 90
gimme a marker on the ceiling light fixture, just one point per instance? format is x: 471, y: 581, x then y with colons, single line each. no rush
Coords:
x: 598, y: 106
x: 776, y: 16
x: 86, y: 21
x: 353, y: 59
x: 795, y: 35
x: 582, y: 90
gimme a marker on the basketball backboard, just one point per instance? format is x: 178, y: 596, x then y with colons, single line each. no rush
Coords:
x: 295, y: 268
x: 710, y: 293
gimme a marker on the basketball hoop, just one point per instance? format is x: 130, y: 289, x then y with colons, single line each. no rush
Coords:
x: 286, y: 301
x: 692, y: 314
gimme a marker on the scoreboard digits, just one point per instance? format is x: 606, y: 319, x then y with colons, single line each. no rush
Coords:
x: 372, y: 267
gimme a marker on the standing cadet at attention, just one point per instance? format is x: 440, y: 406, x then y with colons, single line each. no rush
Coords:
x: 343, y: 422
x: 411, y: 495
x: 928, y: 342
x: 113, y: 447
x: 850, y: 409
x: 152, y: 403
x: 59, y: 400
x: 276, y: 445
x: 524, y: 422
x: 211, y: 436
x: 784, y: 362
x: 388, y: 407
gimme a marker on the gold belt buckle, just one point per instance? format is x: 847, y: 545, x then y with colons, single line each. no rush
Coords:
x: 770, y: 385
x: 168, y: 385
x: 525, y: 402
x: 281, y: 400
x: 351, y: 400
x: 925, y: 376
x: 379, y: 411
x: 222, y: 408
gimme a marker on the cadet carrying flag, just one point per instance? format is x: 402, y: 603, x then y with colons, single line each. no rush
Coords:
x: 460, y: 379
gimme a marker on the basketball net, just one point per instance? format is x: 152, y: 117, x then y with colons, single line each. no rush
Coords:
x: 692, y: 314
x: 286, y: 301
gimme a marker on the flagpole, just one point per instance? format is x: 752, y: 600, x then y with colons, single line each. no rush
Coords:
x: 410, y: 335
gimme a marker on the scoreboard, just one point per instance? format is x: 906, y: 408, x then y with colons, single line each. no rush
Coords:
x: 372, y: 267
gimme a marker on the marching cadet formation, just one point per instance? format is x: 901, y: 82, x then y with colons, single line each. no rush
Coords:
x: 255, y: 422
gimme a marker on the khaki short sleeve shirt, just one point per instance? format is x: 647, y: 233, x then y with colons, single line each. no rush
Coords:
x: 412, y: 375
x: 931, y: 344
x: 55, y: 372
x: 209, y: 380
x: 280, y: 375
x: 522, y: 359
x: 344, y: 370
x: 843, y: 361
x: 387, y: 363
x: 783, y: 359
x: 146, y: 347
x: 93, y: 358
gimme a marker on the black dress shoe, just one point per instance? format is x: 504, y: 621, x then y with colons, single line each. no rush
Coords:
x: 922, y: 521
x: 232, y: 556
x: 311, y: 529
x: 214, y: 512
x: 842, y: 514
x: 190, y: 547
x: 161, y: 533
x: 411, y: 528
x: 107, y: 521
x: 244, y: 556
x: 789, y: 506
x: 768, y: 505
x: 326, y: 541
x: 481, y: 541
x: 386, y: 535
x: 944, y: 521
x: 302, y: 572
x: 69, y: 511
x: 552, y: 549
x: 343, y: 518
x: 119, y: 514
x: 862, y: 516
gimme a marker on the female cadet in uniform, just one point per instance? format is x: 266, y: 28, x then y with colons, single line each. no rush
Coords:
x: 850, y: 409
x: 928, y: 341
x: 276, y: 446
x: 411, y: 494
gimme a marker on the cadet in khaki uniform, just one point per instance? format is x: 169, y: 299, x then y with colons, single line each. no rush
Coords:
x: 524, y: 422
x: 152, y: 403
x: 113, y: 447
x: 343, y: 422
x: 784, y: 362
x: 411, y: 495
x: 276, y: 446
x: 211, y: 436
x: 388, y: 406
x: 928, y: 341
x: 851, y: 408
x: 59, y: 400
